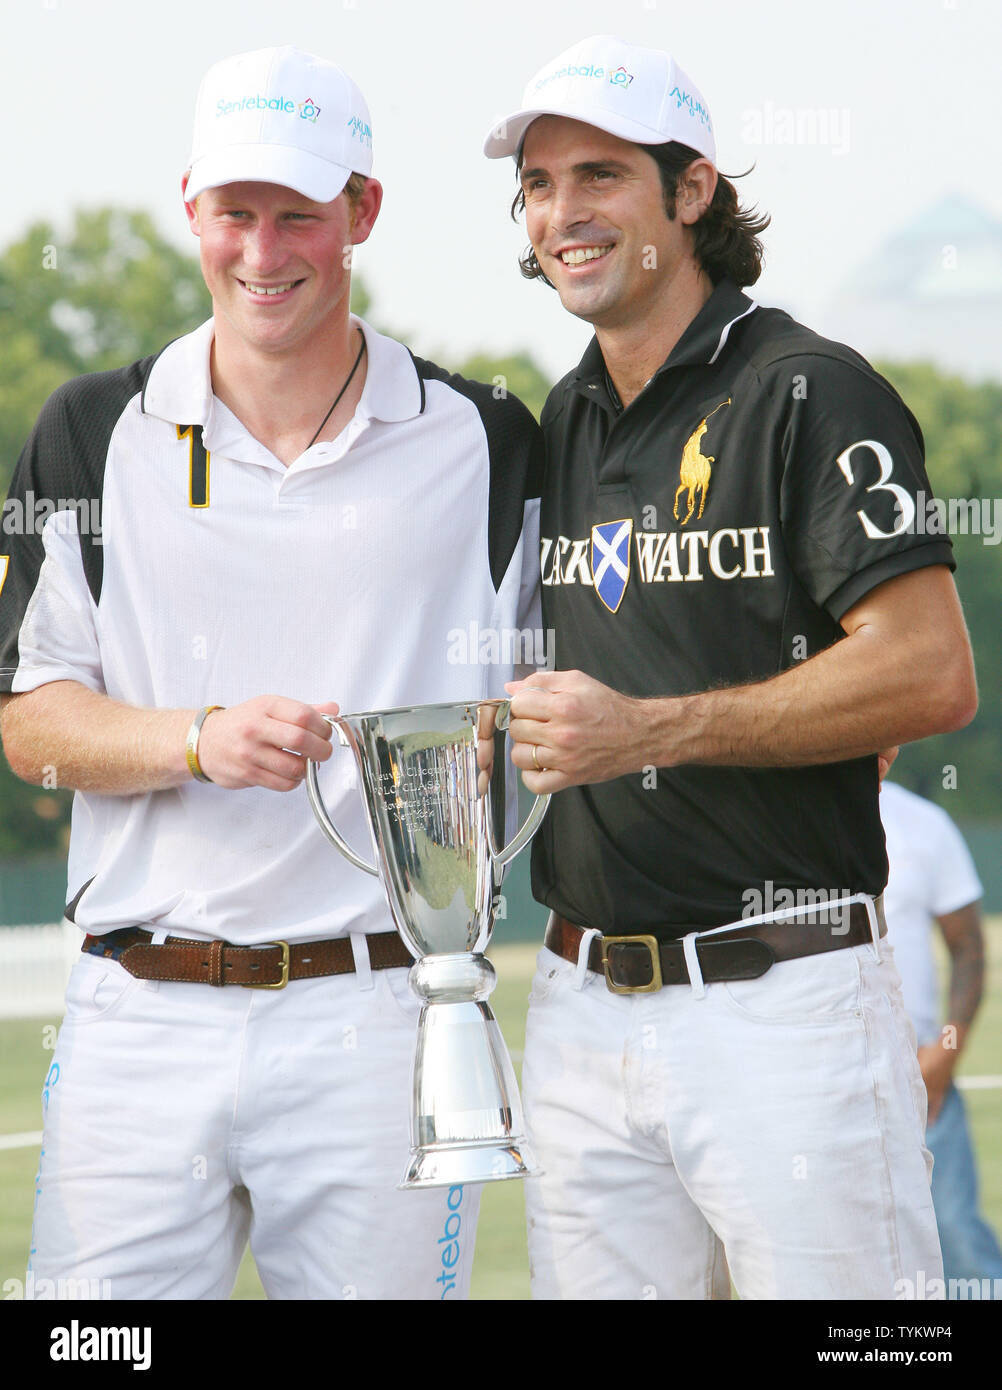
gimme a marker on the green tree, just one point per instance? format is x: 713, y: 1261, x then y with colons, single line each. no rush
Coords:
x: 111, y: 291
x: 519, y: 374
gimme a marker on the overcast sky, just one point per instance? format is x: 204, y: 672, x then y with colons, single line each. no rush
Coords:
x: 905, y: 96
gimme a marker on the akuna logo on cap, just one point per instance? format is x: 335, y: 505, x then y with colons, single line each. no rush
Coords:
x: 692, y: 105
x: 361, y: 130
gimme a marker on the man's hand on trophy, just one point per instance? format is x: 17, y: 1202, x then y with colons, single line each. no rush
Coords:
x: 569, y: 729
x: 264, y: 742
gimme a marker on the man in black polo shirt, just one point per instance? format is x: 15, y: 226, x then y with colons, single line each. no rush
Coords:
x: 744, y: 615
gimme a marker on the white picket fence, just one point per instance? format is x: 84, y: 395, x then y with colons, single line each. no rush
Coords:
x: 35, y: 963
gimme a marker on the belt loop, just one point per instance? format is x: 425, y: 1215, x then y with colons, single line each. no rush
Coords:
x: 588, y: 935
x: 875, y: 913
x: 157, y: 939
x: 216, y: 963
x: 363, y: 966
x: 692, y: 962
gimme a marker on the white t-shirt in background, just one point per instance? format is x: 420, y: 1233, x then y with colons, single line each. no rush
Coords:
x: 931, y: 873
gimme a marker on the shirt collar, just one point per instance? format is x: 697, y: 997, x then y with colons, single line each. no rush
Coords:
x: 179, y: 385
x: 393, y: 389
x: 700, y: 345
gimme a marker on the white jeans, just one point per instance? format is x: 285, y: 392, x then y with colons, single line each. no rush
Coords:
x: 772, y: 1129
x: 179, y: 1119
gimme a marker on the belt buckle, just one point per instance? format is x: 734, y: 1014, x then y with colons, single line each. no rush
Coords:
x: 283, y: 979
x: 651, y: 942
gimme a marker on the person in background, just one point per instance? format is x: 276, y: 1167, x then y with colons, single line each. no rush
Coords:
x: 932, y: 881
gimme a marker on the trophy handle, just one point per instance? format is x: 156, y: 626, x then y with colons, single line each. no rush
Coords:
x: 532, y: 820
x: 320, y: 809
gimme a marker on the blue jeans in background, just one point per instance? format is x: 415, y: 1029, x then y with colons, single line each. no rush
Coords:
x: 970, y: 1247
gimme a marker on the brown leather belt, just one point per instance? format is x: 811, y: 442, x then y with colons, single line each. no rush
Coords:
x: 256, y: 967
x: 642, y: 964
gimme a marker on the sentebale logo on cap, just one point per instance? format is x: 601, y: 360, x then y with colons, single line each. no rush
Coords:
x: 307, y: 110
x: 619, y: 77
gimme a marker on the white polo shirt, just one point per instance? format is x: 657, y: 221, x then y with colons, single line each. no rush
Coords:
x: 931, y: 873
x: 361, y: 573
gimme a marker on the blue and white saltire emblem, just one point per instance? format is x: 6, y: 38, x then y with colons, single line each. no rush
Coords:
x: 610, y: 560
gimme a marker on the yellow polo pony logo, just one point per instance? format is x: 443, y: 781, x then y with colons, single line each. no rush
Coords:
x: 694, y: 474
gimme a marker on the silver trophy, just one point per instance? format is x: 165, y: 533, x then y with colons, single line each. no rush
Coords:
x: 435, y: 789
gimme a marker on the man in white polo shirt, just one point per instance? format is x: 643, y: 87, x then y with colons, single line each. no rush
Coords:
x: 294, y: 511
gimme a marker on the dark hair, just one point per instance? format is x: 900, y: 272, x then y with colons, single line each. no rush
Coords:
x: 725, y: 239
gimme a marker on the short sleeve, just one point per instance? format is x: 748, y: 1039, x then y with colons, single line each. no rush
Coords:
x: 51, y: 551
x: 955, y: 879
x: 57, y: 639
x: 855, y: 496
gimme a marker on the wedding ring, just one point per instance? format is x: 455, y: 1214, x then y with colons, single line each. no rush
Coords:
x: 535, y: 760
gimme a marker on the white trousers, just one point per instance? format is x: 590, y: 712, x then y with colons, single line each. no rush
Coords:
x: 771, y: 1129
x: 181, y: 1119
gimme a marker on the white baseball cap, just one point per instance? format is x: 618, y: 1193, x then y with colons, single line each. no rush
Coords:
x: 639, y: 94
x: 279, y: 115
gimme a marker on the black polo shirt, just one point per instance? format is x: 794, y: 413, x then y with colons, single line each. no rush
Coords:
x: 713, y: 534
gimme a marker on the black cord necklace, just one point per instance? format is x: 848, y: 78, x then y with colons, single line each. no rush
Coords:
x: 337, y: 398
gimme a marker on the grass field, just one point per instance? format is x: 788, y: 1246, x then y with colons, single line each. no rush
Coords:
x: 500, y: 1270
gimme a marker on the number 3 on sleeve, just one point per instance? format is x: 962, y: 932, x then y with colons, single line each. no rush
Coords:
x: 905, y: 503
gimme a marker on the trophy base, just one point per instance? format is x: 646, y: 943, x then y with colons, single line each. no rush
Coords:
x: 454, y: 1164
